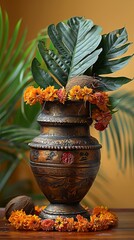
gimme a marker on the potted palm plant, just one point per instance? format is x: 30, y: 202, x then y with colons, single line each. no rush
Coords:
x: 73, y: 88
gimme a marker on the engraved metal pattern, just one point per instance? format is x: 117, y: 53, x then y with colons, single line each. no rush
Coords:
x: 65, y: 159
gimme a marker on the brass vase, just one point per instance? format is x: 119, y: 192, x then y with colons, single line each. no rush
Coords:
x: 64, y: 158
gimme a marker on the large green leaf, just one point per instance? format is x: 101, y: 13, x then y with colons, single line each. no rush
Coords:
x: 76, y: 42
x: 41, y: 77
x: 114, y: 44
x: 56, y: 39
x: 55, y: 64
x: 112, y: 83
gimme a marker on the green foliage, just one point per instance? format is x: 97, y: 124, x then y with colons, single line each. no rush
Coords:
x: 113, y: 83
x: 114, y: 44
x: 15, y: 61
x: 76, y: 42
x: 80, y: 49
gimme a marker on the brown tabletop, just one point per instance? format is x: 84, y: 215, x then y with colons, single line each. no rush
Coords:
x: 124, y: 230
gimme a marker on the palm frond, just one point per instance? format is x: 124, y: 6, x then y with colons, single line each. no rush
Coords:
x: 15, y: 61
x: 16, y: 134
x: 14, y: 65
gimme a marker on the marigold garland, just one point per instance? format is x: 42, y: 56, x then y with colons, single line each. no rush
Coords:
x: 101, y: 113
x: 100, y: 219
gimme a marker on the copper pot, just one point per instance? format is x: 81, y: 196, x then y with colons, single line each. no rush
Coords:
x: 65, y: 159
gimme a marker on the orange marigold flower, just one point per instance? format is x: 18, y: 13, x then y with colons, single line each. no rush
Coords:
x: 86, y: 93
x: 47, y: 225
x: 75, y: 93
x: 102, y: 119
x: 49, y: 94
x: 62, y: 95
x: 33, y: 95
x: 70, y: 224
x: 38, y: 209
x: 101, y: 99
x: 17, y: 218
x: 102, y: 219
x: 32, y: 222
x: 99, y: 210
x: 82, y: 224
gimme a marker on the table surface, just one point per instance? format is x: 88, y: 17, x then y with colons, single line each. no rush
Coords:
x: 124, y: 230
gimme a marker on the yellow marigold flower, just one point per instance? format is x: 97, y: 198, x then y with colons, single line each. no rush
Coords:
x: 86, y: 93
x: 49, y: 94
x: 75, y: 93
x: 60, y: 224
x: 33, y: 95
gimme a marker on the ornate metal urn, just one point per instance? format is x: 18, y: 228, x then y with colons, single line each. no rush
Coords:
x: 65, y: 159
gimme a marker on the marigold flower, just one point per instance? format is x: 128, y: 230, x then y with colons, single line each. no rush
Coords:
x: 31, y: 222
x: 101, y: 100
x: 62, y: 95
x: 70, y: 224
x: 17, y: 218
x: 60, y: 224
x: 38, y: 209
x: 86, y: 93
x: 102, y: 219
x: 99, y: 210
x: 33, y: 95
x: 49, y: 94
x: 82, y: 224
x: 47, y: 224
x: 75, y: 93
x: 102, y: 119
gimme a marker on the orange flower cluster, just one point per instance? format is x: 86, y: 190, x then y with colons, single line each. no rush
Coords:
x: 100, y: 219
x: 102, y: 119
x: 100, y: 100
x: 20, y: 220
x: 33, y: 95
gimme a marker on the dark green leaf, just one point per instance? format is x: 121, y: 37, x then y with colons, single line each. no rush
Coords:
x: 41, y: 77
x: 114, y: 44
x: 55, y: 64
x: 113, y: 83
x: 55, y: 38
x: 76, y: 42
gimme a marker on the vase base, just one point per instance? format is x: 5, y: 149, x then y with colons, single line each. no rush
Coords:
x: 63, y: 210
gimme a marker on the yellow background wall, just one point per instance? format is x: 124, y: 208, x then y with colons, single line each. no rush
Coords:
x: 118, y: 190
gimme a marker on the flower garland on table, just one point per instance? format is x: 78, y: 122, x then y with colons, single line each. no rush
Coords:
x: 100, y: 219
x: 101, y: 112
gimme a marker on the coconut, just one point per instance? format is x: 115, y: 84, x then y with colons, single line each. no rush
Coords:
x: 21, y: 202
